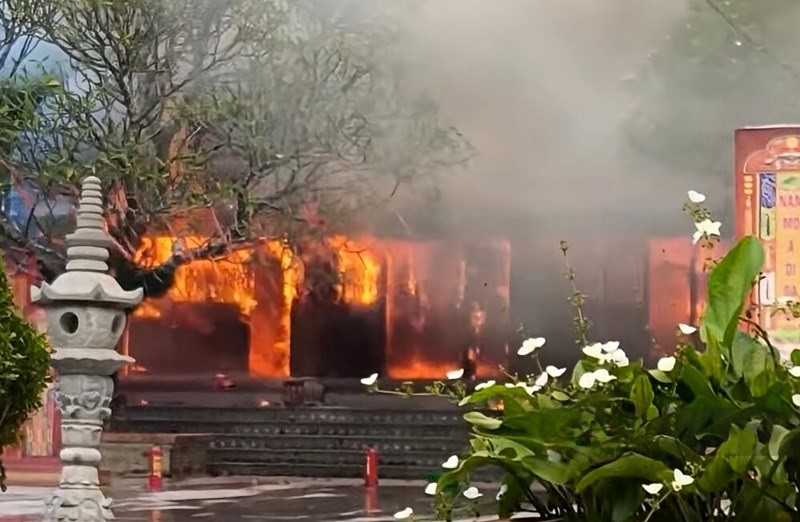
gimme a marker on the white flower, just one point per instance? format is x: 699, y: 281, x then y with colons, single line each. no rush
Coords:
x: 706, y: 228
x: 696, y: 197
x: 430, y: 489
x: 531, y: 345
x: 796, y: 399
x: 541, y: 380
x: 595, y: 351
x: 680, y: 480
x: 484, y: 385
x: 610, y: 346
x: 451, y: 463
x: 404, y: 514
x: 510, y: 385
x: 607, y: 352
x: 531, y: 390
x: 620, y: 359
x: 472, y: 493
x: 554, y: 372
x: 725, y: 506
x: 455, y: 374
x: 369, y: 381
x: 794, y: 371
x: 603, y: 376
x: 686, y: 329
x: 666, y: 364
x: 653, y: 489
x: 502, y: 491
x: 587, y: 380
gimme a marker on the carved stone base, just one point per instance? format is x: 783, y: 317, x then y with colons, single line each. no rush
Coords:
x: 78, y: 505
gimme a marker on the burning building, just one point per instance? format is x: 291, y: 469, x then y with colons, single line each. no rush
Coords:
x: 331, y: 307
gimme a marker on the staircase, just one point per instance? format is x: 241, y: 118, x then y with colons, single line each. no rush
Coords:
x: 310, y: 441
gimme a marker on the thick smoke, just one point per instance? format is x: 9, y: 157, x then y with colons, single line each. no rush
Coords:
x: 538, y: 87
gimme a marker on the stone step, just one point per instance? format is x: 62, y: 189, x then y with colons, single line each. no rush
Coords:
x: 385, y: 471
x: 298, y: 415
x: 292, y: 429
x: 443, y: 445
x: 431, y: 459
x: 410, y: 472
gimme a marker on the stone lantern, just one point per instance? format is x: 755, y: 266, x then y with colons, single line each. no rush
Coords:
x: 85, y: 316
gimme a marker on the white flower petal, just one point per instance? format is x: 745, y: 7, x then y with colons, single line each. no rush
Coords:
x: 510, y: 385
x: 531, y: 345
x: 472, y: 493
x: 594, y: 351
x: 666, y: 364
x: 451, y: 463
x: 785, y: 300
x: 404, y: 514
x: 541, y: 380
x: 484, y: 385
x: 696, y: 237
x: 554, y: 372
x: 369, y: 381
x: 587, y: 380
x: 430, y: 489
x: 619, y: 358
x: 531, y: 390
x: 696, y: 197
x: 796, y: 399
x: 455, y: 374
x: 503, y: 490
x: 610, y: 346
x: 602, y: 375
x: 681, y: 478
x: 686, y: 329
x: 708, y: 228
x: 794, y: 371
x: 653, y: 489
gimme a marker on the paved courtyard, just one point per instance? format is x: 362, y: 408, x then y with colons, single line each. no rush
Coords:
x: 236, y: 500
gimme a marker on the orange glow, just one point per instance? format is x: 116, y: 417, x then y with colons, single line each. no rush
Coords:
x: 417, y: 368
x: 226, y: 280
x: 359, y: 270
x: 419, y: 286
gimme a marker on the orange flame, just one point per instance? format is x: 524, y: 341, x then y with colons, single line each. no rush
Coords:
x: 359, y: 271
x: 232, y: 279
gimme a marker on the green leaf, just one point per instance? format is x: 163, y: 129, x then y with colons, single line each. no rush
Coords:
x: 546, y: 426
x: 759, y: 370
x: 642, y: 395
x: 660, y: 376
x: 632, y: 465
x: 779, y: 433
x: 743, y: 344
x: 480, y: 420
x: 738, y: 450
x: 728, y: 287
x: 795, y: 357
x: 560, y: 396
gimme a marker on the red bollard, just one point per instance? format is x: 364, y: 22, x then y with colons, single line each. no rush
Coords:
x: 155, y: 481
x: 371, y: 471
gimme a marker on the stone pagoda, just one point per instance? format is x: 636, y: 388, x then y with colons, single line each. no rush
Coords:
x: 85, y: 315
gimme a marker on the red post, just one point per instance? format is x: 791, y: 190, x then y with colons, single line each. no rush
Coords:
x: 155, y: 481
x: 371, y: 471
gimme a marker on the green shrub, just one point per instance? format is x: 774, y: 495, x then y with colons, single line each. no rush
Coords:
x: 711, y: 433
x: 24, y: 364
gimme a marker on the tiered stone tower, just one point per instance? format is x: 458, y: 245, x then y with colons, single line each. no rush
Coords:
x: 85, y: 310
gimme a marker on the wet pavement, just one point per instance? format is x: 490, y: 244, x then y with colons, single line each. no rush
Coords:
x: 237, y: 500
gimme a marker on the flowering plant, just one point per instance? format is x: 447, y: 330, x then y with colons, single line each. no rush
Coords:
x: 712, y: 433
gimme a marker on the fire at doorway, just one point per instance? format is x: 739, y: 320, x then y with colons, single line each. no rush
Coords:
x: 336, y: 308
